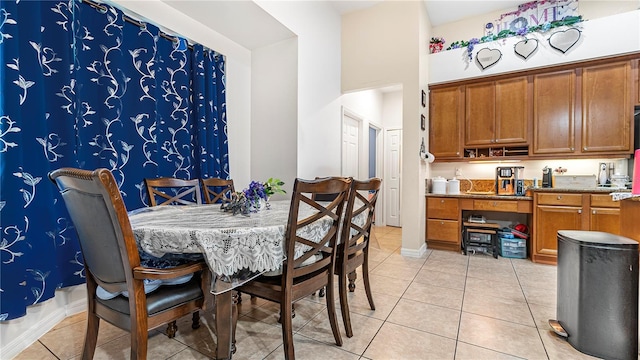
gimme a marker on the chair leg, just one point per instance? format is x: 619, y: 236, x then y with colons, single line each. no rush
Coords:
x: 344, y: 305
x: 139, y: 344
x: 195, y: 320
x: 91, y: 338
x: 331, y: 309
x: 365, y: 280
x: 287, y: 327
x: 171, y: 329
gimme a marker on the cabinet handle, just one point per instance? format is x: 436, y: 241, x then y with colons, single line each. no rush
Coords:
x: 584, y: 148
x: 458, y: 153
x: 441, y: 201
x: 497, y: 140
x: 594, y: 211
x: 441, y: 222
x: 580, y: 211
x: 572, y: 149
x: 559, y: 197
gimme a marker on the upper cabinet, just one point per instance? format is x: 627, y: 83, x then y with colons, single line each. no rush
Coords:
x: 446, y: 110
x: 636, y: 70
x: 553, y: 113
x: 607, y: 111
x: 497, y: 112
x: 583, y: 110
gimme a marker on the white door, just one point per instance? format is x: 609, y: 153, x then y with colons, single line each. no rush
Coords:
x: 350, y: 146
x: 392, y: 179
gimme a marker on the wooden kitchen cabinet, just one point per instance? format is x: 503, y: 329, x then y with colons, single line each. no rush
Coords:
x: 443, y: 223
x: 554, y: 98
x: 569, y: 211
x: 605, y: 214
x: 446, y: 112
x: 636, y: 80
x: 607, y: 112
x: 497, y: 112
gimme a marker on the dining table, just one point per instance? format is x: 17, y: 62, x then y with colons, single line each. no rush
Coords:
x: 237, y: 247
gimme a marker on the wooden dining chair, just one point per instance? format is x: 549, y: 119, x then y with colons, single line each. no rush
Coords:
x: 112, y: 261
x: 313, y: 270
x: 217, y: 190
x: 173, y: 191
x: 353, y: 250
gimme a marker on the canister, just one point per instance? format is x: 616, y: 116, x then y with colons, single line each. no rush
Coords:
x: 439, y: 185
x: 453, y: 186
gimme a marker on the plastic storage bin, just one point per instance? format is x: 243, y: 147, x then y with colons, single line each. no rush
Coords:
x: 514, y: 248
x: 597, y: 304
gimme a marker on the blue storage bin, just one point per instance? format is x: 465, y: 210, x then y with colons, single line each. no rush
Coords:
x: 515, y: 248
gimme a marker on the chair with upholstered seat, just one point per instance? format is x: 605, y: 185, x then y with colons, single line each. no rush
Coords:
x: 353, y: 250
x: 173, y: 191
x: 217, y: 190
x: 112, y: 262
x: 313, y: 268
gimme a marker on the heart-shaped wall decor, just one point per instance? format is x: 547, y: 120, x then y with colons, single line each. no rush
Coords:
x: 487, y: 57
x: 526, y: 47
x: 564, y: 40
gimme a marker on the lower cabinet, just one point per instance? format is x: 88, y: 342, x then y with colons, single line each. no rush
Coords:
x: 569, y: 211
x: 443, y: 223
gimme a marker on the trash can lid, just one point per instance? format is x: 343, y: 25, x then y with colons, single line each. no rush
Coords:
x: 597, y: 238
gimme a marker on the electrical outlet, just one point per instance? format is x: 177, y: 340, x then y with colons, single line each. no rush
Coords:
x: 458, y: 172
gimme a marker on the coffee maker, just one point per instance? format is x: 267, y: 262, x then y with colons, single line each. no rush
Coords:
x: 546, y: 177
x: 510, y: 181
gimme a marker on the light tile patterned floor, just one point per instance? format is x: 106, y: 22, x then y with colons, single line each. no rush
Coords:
x: 442, y: 306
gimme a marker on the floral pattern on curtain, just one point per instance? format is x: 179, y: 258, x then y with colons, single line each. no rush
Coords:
x: 87, y: 88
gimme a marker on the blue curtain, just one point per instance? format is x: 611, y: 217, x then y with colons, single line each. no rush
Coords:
x: 88, y: 88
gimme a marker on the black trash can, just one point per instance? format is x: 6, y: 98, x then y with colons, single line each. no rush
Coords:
x: 597, y: 303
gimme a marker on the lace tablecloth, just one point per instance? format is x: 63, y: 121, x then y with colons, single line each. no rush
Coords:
x: 233, y: 245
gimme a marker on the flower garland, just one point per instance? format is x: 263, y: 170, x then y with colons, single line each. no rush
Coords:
x: 567, y: 21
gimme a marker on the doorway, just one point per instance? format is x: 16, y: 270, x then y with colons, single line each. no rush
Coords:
x: 351, y: 140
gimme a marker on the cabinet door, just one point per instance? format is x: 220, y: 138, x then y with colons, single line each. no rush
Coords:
x: 607, y: 113
x: 445, y: 115
x: 605, y: 219
x: 553, y: 113
x: 480, y: 114
x: 442, y: 208
x: 512, y: 111
x: 550, y: 219
x: 636, y: 79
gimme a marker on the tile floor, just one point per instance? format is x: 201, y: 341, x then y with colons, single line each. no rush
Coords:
x: 442, y: 306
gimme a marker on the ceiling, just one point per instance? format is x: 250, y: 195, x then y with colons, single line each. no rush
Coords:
x: 249, y: 25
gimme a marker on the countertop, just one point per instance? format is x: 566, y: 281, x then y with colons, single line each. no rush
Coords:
x: 481, y: 196
x: 492, y: 196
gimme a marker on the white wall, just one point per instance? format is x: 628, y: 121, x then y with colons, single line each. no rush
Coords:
x: 274, y: 112
x: 473, y: 27
x: 380, y: 47
x: 392, y: 110
x: 602, y: 37
x: 317, y: 26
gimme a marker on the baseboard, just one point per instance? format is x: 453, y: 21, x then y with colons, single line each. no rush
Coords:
x: 414, y: 253
x: 37, y: 329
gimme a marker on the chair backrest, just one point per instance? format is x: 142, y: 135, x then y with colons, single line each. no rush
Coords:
x: 99, y: 215
x: 362, y: 199
x: 316, y: 234
x: 172, y: 191
x: 217, y: 190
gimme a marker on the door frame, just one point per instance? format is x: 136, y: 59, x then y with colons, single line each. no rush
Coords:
x: 379, y: 212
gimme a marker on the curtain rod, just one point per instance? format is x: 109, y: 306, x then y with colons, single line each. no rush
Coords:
x: 103, y: 9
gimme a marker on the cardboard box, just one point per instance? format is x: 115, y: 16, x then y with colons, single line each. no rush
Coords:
x: 575, y: 182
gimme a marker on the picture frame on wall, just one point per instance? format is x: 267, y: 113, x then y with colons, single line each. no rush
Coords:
x: 423, y: 121
x: 424, y: 99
